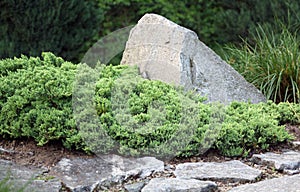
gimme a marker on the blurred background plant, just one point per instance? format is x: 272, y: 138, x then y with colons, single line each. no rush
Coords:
x: 69, y: 28
x: 215, y: 21
x: 66, y: 28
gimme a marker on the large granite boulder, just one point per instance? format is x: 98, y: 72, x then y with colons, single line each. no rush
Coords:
x: 168, y: 52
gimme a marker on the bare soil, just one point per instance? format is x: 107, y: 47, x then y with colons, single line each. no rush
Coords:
x: 26, y: 152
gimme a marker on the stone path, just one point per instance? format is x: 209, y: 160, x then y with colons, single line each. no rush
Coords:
x: 147, y: 174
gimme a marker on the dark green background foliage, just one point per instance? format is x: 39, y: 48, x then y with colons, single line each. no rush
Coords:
x: 36, y: 102
x: 66, y: 28
x: 239, y: 18
x: 217, y: 21
x: 198, y: 15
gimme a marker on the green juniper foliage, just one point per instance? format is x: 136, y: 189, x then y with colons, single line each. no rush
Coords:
x: 136, y: 116
x: 35, y: 98
x: 144, y: 116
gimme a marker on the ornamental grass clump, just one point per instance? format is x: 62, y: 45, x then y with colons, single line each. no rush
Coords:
x: 272, y: 64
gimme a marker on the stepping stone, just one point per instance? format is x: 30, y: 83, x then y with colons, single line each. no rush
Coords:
x: 286, y: 161
x: 232, y: 171
x: 78, y: 174
x: 287, y: 183
x: 33, y: 178
x: 179, y: 185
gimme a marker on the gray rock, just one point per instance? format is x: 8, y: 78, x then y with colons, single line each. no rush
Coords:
x: 179, y: 185
x: 145, y: 166
x: 103, y: 171
x: 287, y: 183
x: 135, y: 187
x: 168, y: 52
x: 289, y: 160
x: 230, y: 171
x: 33, y: 179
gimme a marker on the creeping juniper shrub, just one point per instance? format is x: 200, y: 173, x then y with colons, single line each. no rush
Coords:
x: 249, y: 127
x: 35, y: 98
x: 141, y: 115
x: 138, y: 116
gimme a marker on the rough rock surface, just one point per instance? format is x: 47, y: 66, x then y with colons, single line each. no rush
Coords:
x: 179, y: 185
x: 32, y: 178
x: 287, y: 183
x: 92, y: 173
x: 287, y: 161
x: 135, y: 187
x: 168, y: 52
x: 233, y: 171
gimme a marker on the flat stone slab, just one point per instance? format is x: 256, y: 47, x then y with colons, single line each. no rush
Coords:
x: 287, y: 183
x: 286, y: 161
x: 30, y: 177
x: 78, y: 174
x: 179, y: 185
x: 231, y: 171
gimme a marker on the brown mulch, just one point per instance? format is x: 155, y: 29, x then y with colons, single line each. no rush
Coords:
x: 26, y: 152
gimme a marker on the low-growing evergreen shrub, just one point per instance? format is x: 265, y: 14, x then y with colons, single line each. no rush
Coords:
x: 248, y: 126
x: 240, y: 127
x: 144, y: 116
x: 35, y: 98
x: 131, y: 115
